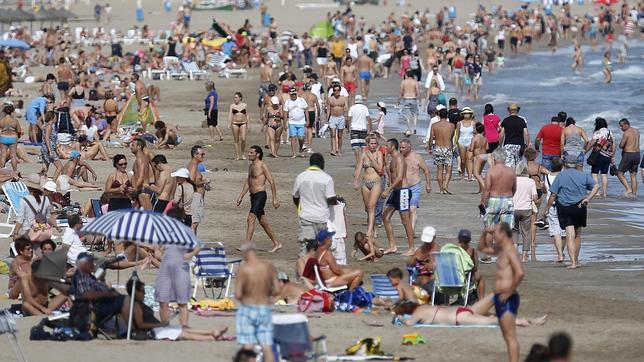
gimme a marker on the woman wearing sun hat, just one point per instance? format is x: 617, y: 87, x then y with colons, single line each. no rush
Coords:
x: 35, y: 212
x: 464, y: 135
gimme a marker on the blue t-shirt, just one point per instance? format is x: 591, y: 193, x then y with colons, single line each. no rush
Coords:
x: 36, y: 107
x: 572, y: 186
x: 212, y: 93
x: 227, y: 47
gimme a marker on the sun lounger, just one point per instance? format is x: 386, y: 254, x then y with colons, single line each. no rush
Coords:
x: 194, y: 73
x: 217, y: 61
x: 14, y: 191
x: 448, y: 276
x: 233, y: 72
x: 173, y: 68
x: 212, y: 267
x: 320, y: 283
x: 382, y: 287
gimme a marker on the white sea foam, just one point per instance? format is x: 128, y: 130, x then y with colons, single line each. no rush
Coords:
x: 557, y: 81
x: 611, y: 116
x: 629, y: 70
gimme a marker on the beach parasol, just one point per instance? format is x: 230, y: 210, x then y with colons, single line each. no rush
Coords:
x: 14, y: 43
x: 141, y: 227
x: 323, y: 30
x: 52, y: 266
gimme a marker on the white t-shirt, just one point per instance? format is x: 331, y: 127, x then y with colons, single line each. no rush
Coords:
x: 439, y: 80
x: 70, y: 237
x: 358, y: 113
x: 295, y: 109
x: 316, y: 89
x: 429, y: 128
x: 313, y: 187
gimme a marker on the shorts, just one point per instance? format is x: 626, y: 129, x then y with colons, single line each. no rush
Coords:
x: 197, y: 208
x: 580, y: 157
x: 63, y: 86
x: 409, y: 106
x: 491, y: 146
x: 105, y: 307
x: 553, y: 223
x: 514, y: 40
x: 601, y: 166
x: 296, y: 130
x: 498, y: 210
x: 357, y: 139
x: 400, y: 199
x: 642, y: 164
x: 350, y: 86
x: 257, y: 203
x: 443, y: 156
x: 512, y: 155
x: 415, y: 190
x: 160, y: 205
x: 365, y: 75
x: 336, y: 122
x: 546, y: 161
x: 572, y: 215
x: 629, y: 162
x: 254, y: 324
x: 320, y: 61
x: 510, y: 305
x: 527, y: 39
x: 110, y: 119
x: 311, y: 122
x: 213, y: 118
x: 308, y: 231
x: 273, y: 34
x: 167, y: 333
x: 144, y: 114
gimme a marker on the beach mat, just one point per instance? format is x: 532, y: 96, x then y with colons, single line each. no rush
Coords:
x: 368, y: 358
x: 445, y: 326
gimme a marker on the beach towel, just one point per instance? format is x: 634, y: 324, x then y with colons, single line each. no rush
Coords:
x: 464, y: 262
x: 459, y: 326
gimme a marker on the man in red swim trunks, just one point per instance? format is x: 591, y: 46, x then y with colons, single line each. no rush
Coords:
x: 349, y: 76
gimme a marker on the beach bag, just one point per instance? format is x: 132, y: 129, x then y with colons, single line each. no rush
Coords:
x: 592, y: 159
x: 315, y: 301
x: 40, y: 230
x: 357, y: 297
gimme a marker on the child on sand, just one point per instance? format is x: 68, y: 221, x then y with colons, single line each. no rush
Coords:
x: 368, y: 246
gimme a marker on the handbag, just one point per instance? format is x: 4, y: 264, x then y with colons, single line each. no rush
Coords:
x: 315, y: 301
x: 592, y: 158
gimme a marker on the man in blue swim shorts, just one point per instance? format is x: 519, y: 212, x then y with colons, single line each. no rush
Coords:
x: 365, y: 67
x: 255, y: 285
x: 497, y: 240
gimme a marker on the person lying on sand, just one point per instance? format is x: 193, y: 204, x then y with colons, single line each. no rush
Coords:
x: 368, y: 246
x: 75, y: 173
x: 144, y: 320
x: 290, y: 292
x: 476, y: 314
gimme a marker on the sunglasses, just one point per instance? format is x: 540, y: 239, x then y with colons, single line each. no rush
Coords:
x: 122, y: 164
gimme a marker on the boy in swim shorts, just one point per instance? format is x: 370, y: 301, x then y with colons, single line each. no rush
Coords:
x: 497, y: 240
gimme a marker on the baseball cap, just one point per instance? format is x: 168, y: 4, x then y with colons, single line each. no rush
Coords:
x: 464, y: 235
x: 358, y: 99
x: 275, y: 100
x: 85, y: 256
x: 429, y: 233
x: 292, y: 90
x: 74, y: 154
x: 439, y: 107
x: 335, y: 80
x: 282, y: 276
x: 50, y: 186
x: 182, y: 172
x: 513, y: 106
x: 467, y: 110
x: 324, y: 234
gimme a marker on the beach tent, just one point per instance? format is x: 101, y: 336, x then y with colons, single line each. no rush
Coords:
x: 130, y: 116
x: 323, y: 30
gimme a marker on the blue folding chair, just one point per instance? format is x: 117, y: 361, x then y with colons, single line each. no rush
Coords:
x: 382, y: 287
x: 211, y: 269
x: 449, y: 279
x: 96, y: 207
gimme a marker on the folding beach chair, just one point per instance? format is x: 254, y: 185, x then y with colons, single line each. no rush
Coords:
x: 217, y: 61
x: 8, y: 327
x: 212, y: 270
x: 449, y: 277
x: 194, y: 73
x: 14, y: 191
x: 96, y: 207
x: 173, y: 68
x: 382, y: 287
x: 292, y: 339
x: 320, y: 283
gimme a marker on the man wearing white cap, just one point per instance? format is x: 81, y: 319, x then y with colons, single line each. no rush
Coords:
x: 422, y: 262
x: 343, y: 90
x: 183, y: 194
x: 359, y: 124
x: 433, y: 120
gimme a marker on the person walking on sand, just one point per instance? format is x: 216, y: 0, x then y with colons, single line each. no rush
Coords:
x: 570, y: 190
x: 201, y: 185
x: 349, y: 75
x: 408, y: 100
x: 630, y: 145
x: 337, y: 107
x: 415, y: 164
x: 514, y: 135
x: 313, y: 109
x: 441, y: 137
x: 255, y: 287
x: 295, y: 112
x: 359, y: 125
x: 398, y: 196
x: 258, y: 175
x: 211, y: 109
x: 500, y: 185
x: 549, y: 140
x: 365, y: 72
x: 313, y: 194
x: 496, y: 240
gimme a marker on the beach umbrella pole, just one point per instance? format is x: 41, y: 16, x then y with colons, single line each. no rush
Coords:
x: 135, y: 278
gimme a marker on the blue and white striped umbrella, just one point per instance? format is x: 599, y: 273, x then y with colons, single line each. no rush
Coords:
x: 145, y: 227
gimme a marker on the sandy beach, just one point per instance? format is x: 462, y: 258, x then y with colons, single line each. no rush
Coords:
x: 601, y: 305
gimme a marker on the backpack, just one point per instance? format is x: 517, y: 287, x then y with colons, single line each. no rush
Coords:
x: 64, y: 124
x: 315, y: 301
x: 39, y: 216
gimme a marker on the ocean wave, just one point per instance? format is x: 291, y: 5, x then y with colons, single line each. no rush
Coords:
x: 566, y: 80
x: 629, y: 70
x: 611, y: 116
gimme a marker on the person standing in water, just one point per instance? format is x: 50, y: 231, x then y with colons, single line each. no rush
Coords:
x: 630, y: 145
x: 608, y: 68
x: 578, y: 60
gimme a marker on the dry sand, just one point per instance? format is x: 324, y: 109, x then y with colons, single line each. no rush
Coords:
x: 602, y: 310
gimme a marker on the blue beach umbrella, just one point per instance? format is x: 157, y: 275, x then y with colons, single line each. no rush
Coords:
x: 14, y: 43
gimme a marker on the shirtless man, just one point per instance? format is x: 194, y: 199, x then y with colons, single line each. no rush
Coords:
x: 111, y: 112
x: 141, y: 173
x: 258, y: 175
x: 168, y: 134
x: 478, y: 147
x: 509, y: 274
x: 164, y: 185
x: 496, y: 199
x: 349, y: 76
x: 65, y: 77
x: 75, y: 169
x: 313, y: 110
x: 441, y: 136
x: 408, y: 100
x: 398, y: 198
x: 256, y: 284
x: 365, y: 71
x: 35, y: 294
x: 415, y: 163
x: 200, y: 183
x: 289, y: 292
x: 143, y: 100
x: 337, y: 107
x: 630, y: 145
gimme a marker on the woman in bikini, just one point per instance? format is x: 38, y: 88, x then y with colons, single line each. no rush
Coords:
x: 371, y: 166
x: 476, y: 314
x: 274, y: 122
x: 10, y: 131
x: 119, y: 185
x: 331, y: 273
x: 536, y: 171
x: 77, y: 94
x: 238, y: 121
